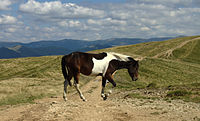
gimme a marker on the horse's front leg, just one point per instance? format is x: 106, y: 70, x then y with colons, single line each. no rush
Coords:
x: 103, y: 95
x: 109, y: 77
x: 103, y: 87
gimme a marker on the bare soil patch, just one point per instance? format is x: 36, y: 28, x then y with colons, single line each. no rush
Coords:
x: 95, y: 109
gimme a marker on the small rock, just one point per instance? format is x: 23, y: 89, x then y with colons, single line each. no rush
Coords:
x: 54, y: 97
x: 54, y: 102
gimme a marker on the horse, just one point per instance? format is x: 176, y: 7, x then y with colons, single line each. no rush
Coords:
x: 104, y: 64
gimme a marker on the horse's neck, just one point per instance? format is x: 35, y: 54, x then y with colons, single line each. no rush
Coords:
x: 120, y: 64
x: 123, y: 64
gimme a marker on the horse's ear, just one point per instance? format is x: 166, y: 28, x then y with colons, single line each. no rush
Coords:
x: 131, y: 59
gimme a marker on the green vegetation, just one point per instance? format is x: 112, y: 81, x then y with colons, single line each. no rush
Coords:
x: 174, y: 76
x: 23, y: 80
x: 189, y: 52
x: 20, y: 98
x: 163, y: 75
x: 159, y: 72
x: 184, y: 95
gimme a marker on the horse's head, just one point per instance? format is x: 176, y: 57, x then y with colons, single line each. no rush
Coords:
x: 133, y: 69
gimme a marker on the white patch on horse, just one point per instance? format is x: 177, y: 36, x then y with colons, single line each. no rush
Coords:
x: 101, y: 66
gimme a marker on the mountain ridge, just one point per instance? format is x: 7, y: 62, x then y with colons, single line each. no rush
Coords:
x: 64, y: 46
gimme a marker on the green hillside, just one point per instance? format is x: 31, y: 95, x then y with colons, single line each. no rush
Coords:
x: 26, y: 79
x: 169, y: 69
x: 189, y: 52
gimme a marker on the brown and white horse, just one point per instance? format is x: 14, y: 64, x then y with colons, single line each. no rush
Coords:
x: 102, y: 64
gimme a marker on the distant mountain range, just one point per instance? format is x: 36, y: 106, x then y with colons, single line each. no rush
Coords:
x: 61, y: 47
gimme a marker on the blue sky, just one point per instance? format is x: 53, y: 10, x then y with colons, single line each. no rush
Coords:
x: 34, y: 20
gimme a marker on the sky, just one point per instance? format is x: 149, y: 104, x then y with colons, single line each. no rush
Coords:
x: 35, y: 20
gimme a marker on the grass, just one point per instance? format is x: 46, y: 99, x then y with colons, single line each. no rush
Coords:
x: 155, y: 113
x: 180, y: 72
x: 189, y: 52
x: 23, y: 80
x: 20, y: 98
x: 184, y: 95
x: 159, y: 74
x: 136, y: 95
x: 149, y: 49
x: 178, y: 93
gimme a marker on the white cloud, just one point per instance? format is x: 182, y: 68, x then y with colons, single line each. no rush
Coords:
x: 168, y: 2
x: 63, y: 24
x: 117, y: 14
x: 4, y: 4
x: 145, y: 28
x: 58, y: 10
x: 56, y: 20
x: 70, y: 23
x: 6, y: 19
x: 49, y: 29
x: 11, y: 30
x: 107, y: 22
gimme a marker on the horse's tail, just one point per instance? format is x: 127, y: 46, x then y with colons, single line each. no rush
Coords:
x: 63, y: 64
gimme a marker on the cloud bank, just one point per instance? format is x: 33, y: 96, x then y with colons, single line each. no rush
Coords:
x: 54, y: 20
x: 5, y: 4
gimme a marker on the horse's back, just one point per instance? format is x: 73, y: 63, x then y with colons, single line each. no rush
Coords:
x: 87, y: 56
x: 80, y: 62
x: 99, y: 56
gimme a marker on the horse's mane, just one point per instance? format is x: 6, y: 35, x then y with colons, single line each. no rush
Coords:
x: 120, y: 57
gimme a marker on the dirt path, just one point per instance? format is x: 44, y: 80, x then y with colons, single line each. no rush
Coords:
x: 169, y: 52
x: 95, y: 109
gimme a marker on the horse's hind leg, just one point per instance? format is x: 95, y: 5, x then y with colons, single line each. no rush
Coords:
x: 66, y: 83
x: 76, y: 79
x: 65, y: 89
x: 80, y: 93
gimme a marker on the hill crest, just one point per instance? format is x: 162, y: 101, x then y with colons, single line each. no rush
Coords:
x: 45, y: 48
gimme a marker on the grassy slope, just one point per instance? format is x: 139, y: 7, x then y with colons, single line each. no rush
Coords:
x: 178, y: 76
x: 189, y: 52
x: 25, y: 79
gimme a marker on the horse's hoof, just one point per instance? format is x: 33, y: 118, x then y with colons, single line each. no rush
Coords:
x: 65, y: 99
x: 105, y: 97
x: 84, y: 100
x: 110, y: 92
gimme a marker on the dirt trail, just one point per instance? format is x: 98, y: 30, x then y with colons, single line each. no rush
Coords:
x: 95, y: 109
x: 169, y: 52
